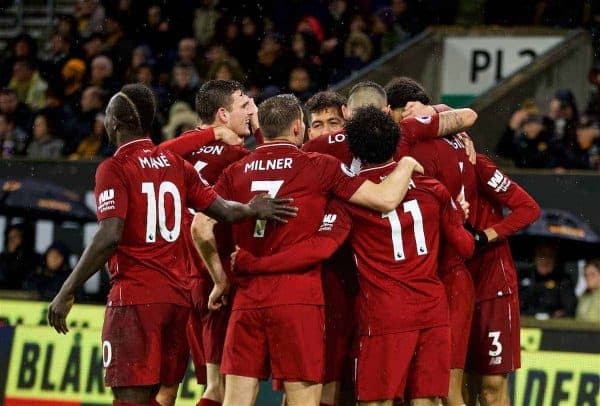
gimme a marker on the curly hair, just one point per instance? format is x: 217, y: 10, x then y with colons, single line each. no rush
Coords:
x: 401, y: 90
x: 372, y: 135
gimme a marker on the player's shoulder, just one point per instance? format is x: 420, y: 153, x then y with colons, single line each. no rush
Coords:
x: 427, y: 185
x: 484, y: 161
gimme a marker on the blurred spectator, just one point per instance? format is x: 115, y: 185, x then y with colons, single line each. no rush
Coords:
x: 357, y: 51
x: 72, y: 75
x: 506, y: 145
x: 185, y: 84
x: 59, y: 111
x: 66, y: 26
x: 534, y: 146
x: 228, y: 34
x: 406, y: 20
x: 13, y: 139
x: 18, y: 259
x: 250, y: 38
x: 584, y: 151
x: 118, y: 45
x: 44, y: 144
x: 23, y: 46
x: 156, y: 31
x: 545, y: 290
x: 226, y: 69
x: 272, y: 68
x: 299, y: 83
x: 588, y: 308
x: 563, y: 110
x: 187, y: 52
x: 181, y: 118
x: 101, y: 74
x: 17, y: 111
x: 49, y: 277
x: 93, y: 46
x: 93, y: 100
x: 205, y: 20
x: 60, y: 52
x: 386, y: 33
x: 90, y: 147
x: 90, y: 17
x: 28, y: 84
x: 141, y: 55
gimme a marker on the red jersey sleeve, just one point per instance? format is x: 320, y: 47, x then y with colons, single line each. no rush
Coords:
x: 222, y: 187
x: 415, y: 129
x: 332, y: 233
x: 189, y: 142
x: 505, y: 192
x: 336, y: 177
x: 452, y: 220
x: 199, y: 196
x: 259, y: 137
x: 111, y: 191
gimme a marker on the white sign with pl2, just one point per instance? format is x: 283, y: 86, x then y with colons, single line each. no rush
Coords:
x: 473, y: 65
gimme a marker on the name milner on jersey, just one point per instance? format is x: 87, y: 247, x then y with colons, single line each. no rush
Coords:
x: 269, y: 164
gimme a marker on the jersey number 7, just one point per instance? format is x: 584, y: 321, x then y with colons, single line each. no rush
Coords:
x: 272, y: 188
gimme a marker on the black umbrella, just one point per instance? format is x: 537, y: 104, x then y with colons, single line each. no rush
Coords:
x: 573, y: 237
x: 42, y: 200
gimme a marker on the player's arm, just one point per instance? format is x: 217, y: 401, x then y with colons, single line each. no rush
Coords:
x: 103, y: 245
x: 204, y: 199
x: 501, y: 189
x: 188, y: 143
x: 388, y: 194
x: 112, y: 203
x: 205, y: 243
x: 453, y: 231
x: 298, y: 257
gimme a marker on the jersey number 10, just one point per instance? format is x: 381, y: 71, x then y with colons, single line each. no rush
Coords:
x: 153, y: 208
x: 412, y: 207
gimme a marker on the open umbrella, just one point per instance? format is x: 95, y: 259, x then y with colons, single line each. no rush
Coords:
x: 42, y: 200
x: 574, y: 238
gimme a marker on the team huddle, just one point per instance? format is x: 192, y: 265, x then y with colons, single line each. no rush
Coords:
x: 375, y: 252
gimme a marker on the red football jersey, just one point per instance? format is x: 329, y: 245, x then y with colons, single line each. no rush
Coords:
x: 446, y: 160
x: 149, y: 188
x: 493, y: 269
x: 412, y: 130
x: 281, y: 169
x: 209, y: 159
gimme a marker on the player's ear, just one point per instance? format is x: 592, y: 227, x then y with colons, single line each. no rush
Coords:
x: 387, y: 110
x: 223, y: 115
x: 346, y: 112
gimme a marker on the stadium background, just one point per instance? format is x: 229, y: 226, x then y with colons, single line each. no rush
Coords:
x: 507, y: 60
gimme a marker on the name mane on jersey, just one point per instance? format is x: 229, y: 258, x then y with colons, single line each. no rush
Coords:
x: 151, y: 162
x: 269, y: 164
x: 210, y: 149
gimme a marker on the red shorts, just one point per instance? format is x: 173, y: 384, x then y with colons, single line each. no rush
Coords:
x: 144, y: 344
x: 194, y: 337
x: 413, y: 364
x: 339, y: 327
x: 286, y: 342
x: 460, y: 292
x: 495, y: 343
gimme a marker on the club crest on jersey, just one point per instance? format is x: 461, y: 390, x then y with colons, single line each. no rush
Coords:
x: 328, y: 221
x: 499, y: 182
x: 423, y: 119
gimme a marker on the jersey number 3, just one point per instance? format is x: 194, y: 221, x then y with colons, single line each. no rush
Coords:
x: 412, y: 207
x: 153, y: 209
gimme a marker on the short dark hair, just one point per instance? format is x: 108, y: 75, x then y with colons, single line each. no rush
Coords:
x: 213, y: 95
x: 372, y: 135
x: 277, y: 113
x: 402, y: 90
x: 324, y: 100
x: 144, y: 103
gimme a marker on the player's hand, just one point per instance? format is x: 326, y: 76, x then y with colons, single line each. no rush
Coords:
x: 241, y: 260
x: 412, y: 164
x: 58, y: 311
x: 469, y: 147
x: 416, y: 109
x: 464, y: 205
x: 228, y: 136
x: 219, y: 296
x: 269, y: 208
x: 480, y: 237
